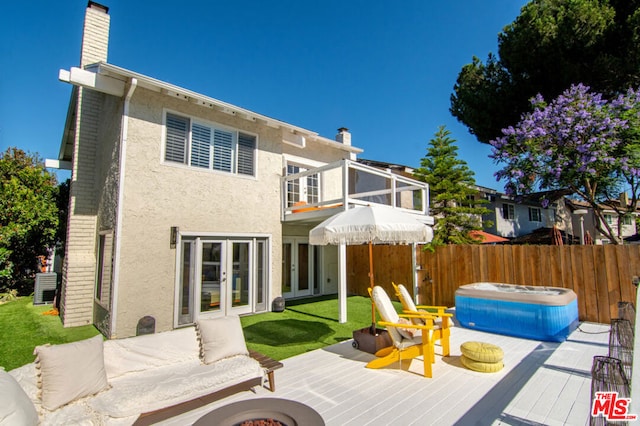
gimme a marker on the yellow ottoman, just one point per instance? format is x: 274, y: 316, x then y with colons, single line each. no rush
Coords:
x: 481, y: 356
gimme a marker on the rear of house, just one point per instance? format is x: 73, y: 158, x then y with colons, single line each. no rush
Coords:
x: 183, y: 206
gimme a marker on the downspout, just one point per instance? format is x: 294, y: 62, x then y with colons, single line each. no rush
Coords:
x: 116, y: 256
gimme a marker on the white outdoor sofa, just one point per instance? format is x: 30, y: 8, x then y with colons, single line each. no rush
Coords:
x: 136, y: 380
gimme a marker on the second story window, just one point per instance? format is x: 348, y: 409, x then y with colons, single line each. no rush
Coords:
x: 535, y: 215
x: 210, y: 147
x: 609, y: 219
x: 508, y: 211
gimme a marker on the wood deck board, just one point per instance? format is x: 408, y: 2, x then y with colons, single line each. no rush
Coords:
x: 542, y: 383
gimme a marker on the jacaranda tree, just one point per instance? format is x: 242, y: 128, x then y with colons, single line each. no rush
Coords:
x: 579, y: 141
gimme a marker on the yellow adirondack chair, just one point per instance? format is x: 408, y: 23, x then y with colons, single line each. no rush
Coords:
x: 441, y: 322
x: 404, y: 346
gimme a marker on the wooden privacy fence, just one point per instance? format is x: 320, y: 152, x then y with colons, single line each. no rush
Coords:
x: 601, y: 276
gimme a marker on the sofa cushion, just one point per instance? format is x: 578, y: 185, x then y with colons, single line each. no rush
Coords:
x: 16, y: 408
x: 387, y: 311
x: 220, y: 338
x: 161, y: 387
x: 140, y: 353
x: 70, y: 371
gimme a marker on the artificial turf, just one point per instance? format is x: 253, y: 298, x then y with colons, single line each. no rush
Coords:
x: 23, y: 327
x: 304, y: 325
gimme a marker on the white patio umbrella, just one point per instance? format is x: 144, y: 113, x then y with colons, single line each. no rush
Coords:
x: 371, y: 225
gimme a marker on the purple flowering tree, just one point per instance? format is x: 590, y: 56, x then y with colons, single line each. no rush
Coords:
x: 578, y: 141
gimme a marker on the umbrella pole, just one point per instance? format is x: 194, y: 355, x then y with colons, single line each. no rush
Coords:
x: 373, y: 309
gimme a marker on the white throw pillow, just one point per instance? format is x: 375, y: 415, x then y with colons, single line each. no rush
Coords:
x: 15, y: 406
x: 220, y: 338
x: 70, y: 371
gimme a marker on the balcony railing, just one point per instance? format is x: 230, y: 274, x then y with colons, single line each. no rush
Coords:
x: 323, y: 191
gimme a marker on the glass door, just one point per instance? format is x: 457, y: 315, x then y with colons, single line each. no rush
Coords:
x: 213, y: 276
x: 297, y: 267
x: 218, y: 277
x: 239, y: 297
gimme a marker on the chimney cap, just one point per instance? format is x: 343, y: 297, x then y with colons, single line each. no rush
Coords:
x: 95, y: 5
x: 343, y: 129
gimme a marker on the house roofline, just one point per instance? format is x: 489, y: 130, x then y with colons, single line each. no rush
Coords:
x: 111, y: 79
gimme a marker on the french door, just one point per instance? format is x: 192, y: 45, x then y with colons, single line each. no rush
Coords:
x: 221, y: 277
x: 297, y: 267
x: 305, y: 189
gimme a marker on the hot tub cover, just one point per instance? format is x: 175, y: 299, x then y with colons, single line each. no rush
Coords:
x: 539, y: 295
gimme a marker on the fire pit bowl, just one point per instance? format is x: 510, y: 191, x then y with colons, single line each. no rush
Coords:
x: 270, y: 411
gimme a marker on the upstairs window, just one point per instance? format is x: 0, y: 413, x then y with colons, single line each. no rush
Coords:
x: 508, y: 211
x: 535, y: 215
x: 208, y: 146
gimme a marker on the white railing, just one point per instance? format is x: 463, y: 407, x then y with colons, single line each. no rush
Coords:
x: 345, y: 183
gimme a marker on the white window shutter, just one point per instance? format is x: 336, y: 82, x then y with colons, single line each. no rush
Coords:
x: 246, y: 154
x: 200, y: 146
x: 177, y: 134
x: 222, y: 150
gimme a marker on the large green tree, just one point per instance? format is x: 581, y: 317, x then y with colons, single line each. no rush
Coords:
x: 451, y: 190
x: 28, y: 217
x: 551, y: 45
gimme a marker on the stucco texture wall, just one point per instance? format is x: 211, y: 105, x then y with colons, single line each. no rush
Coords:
x: 159, y: 195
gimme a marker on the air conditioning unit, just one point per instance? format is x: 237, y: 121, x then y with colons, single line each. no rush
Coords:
x: 45, y: 288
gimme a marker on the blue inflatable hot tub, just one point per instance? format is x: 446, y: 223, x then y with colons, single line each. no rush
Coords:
x: 532, y: 312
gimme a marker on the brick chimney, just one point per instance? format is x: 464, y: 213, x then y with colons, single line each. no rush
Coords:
x: 95, y: 35
x: 343, y: 136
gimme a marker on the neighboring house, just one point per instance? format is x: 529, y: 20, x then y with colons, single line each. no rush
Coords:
x: 510, y: 218
x: 583, y: 217
x: 528, y: 220
x: 183, y: 206
x: 398, y: 169
x: 513, y: 218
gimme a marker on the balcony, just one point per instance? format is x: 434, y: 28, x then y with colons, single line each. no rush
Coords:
x: 316, y: 194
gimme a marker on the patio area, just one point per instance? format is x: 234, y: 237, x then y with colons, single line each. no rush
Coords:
x: 542, y: 383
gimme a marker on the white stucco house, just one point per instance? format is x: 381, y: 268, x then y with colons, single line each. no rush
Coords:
x: 183, y: 206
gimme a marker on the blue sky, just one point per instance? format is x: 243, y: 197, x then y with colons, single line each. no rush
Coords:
x: 383, y: 69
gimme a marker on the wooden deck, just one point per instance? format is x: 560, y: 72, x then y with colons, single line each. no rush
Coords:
x: 542, y: 383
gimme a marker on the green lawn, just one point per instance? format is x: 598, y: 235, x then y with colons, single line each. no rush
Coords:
x: 304, y: 325
x: 23, y: 327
